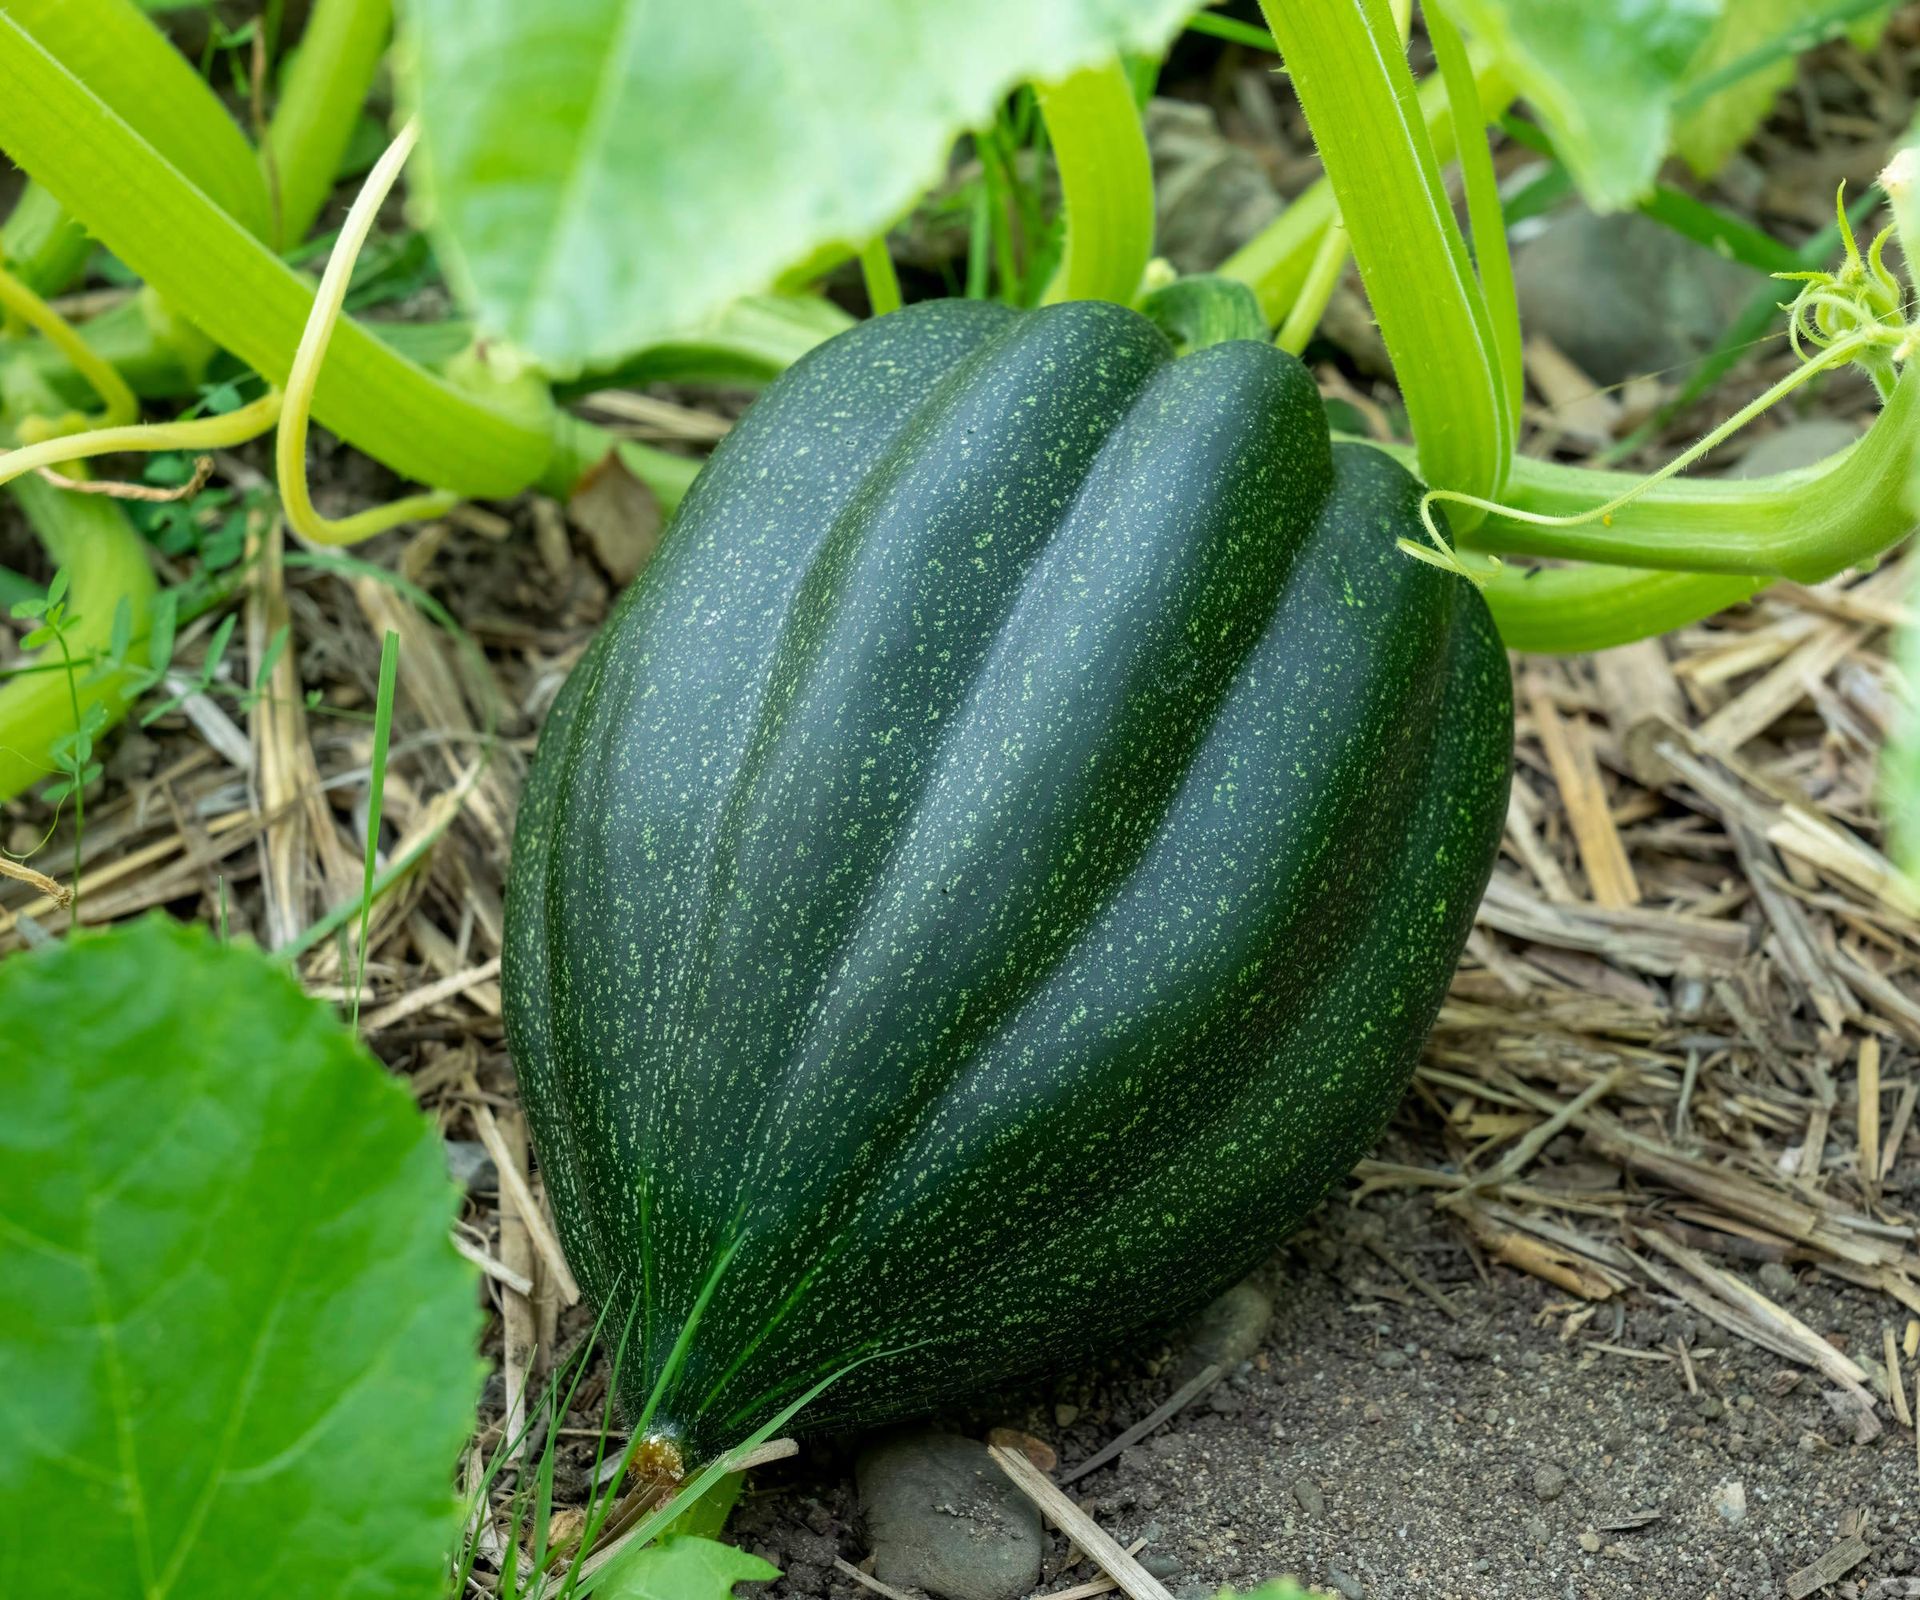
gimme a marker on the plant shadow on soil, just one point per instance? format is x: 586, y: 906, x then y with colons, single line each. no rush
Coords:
x: 1374, y: 1446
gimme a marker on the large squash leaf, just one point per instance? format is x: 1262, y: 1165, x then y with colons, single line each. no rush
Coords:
x: 1603, y: 78
x: 1758, y: 40
x: 236, y: 1346
x: 603, y: 173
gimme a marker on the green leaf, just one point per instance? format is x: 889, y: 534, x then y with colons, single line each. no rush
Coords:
x: 217, y: 649
x: 166, y: 612
x: 236, y: 1346
x: 121, y: 633
x: 1709, y: 133
x: 682, y: 1568
x: 1749, y: 59
x: 270, y: 657
x: 604, y: 173
x: 1603, y: 78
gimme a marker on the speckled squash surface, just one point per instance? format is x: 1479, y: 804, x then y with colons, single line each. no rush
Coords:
x: 995, y: 869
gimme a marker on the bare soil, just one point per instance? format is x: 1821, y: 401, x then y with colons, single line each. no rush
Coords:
x: 1377, y: 1446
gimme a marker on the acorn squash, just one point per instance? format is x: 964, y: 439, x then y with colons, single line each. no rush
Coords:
x: 995, y: 870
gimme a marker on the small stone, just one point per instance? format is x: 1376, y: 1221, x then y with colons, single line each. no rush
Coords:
x: 1307, y: 1496
x: 471, y: 1167
x: 1065, y: 1414
x: 1549, y: 1483
x: 1730, y: 1500
x: 1227, y: 1333
x: 1161, y: 1563
x: 805, y: 1577
x: 1798, y: 444
x: 1351, y: 1588
x: 1621, y: 295
x: 1778, y: 1280
x: 940, y: 1516
x: 1590, y: 1542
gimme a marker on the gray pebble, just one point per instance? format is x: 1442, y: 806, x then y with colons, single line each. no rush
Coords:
x: 1549, y: 1482
x: 1623, y: 295
x: 1161, y: 1563
x: 942, y: 1517
x: 1798, y: 444
x: 471, y: 1167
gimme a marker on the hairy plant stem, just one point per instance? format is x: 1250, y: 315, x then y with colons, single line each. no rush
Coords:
x: 1805, y: 525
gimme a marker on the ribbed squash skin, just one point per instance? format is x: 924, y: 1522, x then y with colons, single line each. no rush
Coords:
x: 995, y: 869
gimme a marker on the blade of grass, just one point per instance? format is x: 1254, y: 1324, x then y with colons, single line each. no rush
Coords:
x: 1716, y: 230
x: 376, y: 787
x: 1233, y: 31
x: 705, y: 1479
x: 1706, y: 225
x: 883, y: 283
x: 979, y: 240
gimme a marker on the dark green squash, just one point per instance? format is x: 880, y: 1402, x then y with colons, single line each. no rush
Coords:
x: 995, y: 870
